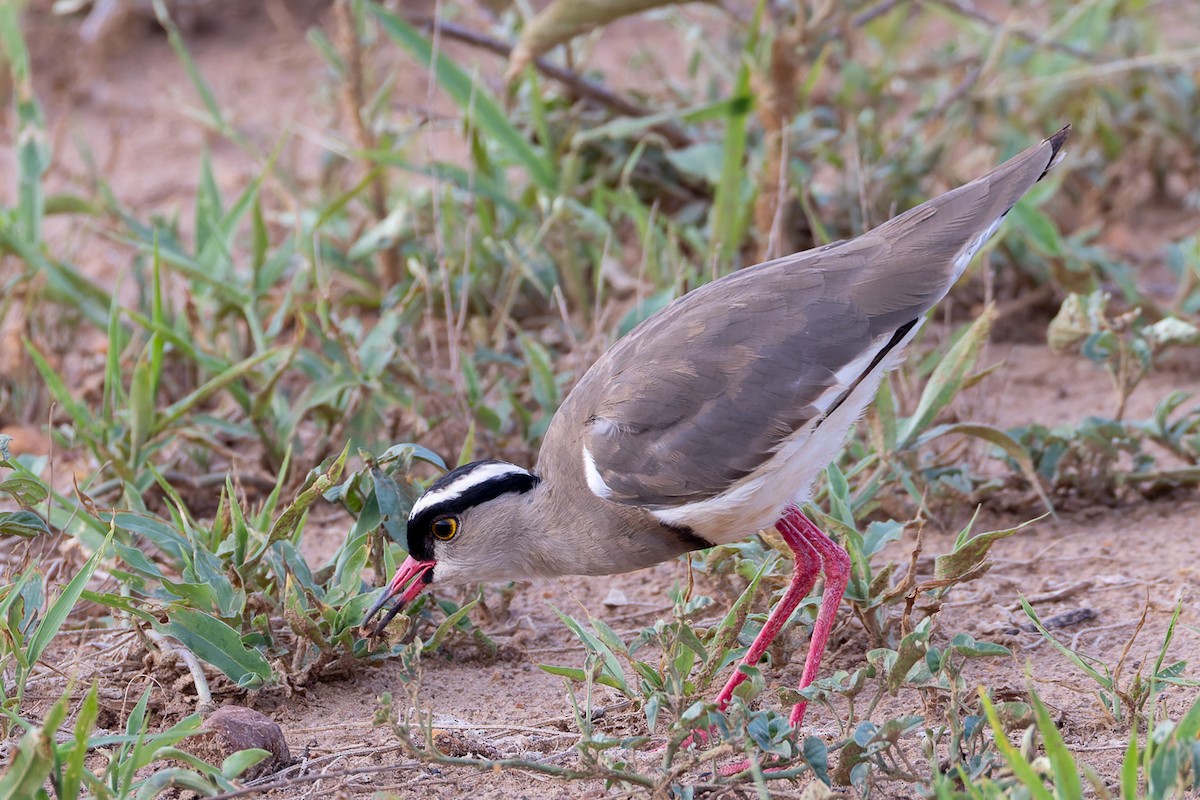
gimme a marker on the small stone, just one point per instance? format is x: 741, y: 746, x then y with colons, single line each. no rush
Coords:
x: 232, y: 728
x: 615, y: 598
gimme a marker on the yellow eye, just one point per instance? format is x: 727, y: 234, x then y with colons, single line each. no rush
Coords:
x: 445, y: 528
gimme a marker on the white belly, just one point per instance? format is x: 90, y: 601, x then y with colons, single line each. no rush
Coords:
x: 758, y: 500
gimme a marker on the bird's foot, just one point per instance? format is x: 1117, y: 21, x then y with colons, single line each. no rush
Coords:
x: 731, y: 768
x: 700, y: 737
x: 705, y: 738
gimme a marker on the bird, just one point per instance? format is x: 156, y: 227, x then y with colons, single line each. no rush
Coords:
x: 710, y: 420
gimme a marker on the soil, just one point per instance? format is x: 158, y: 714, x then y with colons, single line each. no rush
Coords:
x: 124, y: 105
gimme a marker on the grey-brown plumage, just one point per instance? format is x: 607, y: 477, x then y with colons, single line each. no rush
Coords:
x: 741, y: 361
x: 712, y: 418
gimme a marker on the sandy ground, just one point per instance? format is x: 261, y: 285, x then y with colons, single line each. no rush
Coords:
x: 125, y: 103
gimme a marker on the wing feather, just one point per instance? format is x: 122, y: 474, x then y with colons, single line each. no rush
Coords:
x: 704, y: 392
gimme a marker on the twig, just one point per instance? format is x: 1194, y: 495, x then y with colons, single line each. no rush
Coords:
x: 591, y: 90
x: 246, y: 791
x: 1031, y: 38
x: 1057, y: 594
x: 872, y: 14
x: 539, y: 725
x: 1096, y: 73
x: 1063, y: 620
x: 193, y: 482
x: 204, y: 700
x: 1116, y: 673
x: 353, y: 102
x: 1185, y: 475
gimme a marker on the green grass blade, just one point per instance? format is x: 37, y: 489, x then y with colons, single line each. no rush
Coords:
x: 1012, y: 756
x: 33, y: 761
x: 472, y: 98
x: 112, y: 359
x: 216, y: 116
x: 141, y: 408
x: 730, y: 209
x: 32, y: 151
x: 56, y: 615
x: 186, y: 404
x: 1066, y: 773
x: 75, y: 762
x: 448, y: 624
x: 1104, y: 681
x: 159, y: 318
x: 999, y: 438
x: 1129, y: 767
x: 58, y: 389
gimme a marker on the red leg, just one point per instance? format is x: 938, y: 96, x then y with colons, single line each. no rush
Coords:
x: 804, y: 575
x: 836, y: 564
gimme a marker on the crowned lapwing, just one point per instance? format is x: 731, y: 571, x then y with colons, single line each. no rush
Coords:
x: 712, y: 418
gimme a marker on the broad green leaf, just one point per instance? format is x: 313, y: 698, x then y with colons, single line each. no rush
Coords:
x: 948, y: 377
x: 701, y: 161
x: 1037, y: 228
x: 196, y: 594
x: 969, y: 554
x: 22, y: 523
x: 965, y: 644
x: 161, y: 534
x: 541, y: 373
x: 644, y: 309
x: 909, y: 653
x: 218, y: 644
x: 394, y: 506
x: 581, y: 676
x: 26, y: 491
x: 997, y: 437
x: 447, y: 625
x: 234, y: 765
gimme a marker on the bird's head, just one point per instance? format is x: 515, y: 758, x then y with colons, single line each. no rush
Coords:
x: 466, y: 527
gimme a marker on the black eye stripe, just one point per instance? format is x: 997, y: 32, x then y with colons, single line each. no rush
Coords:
x: 420, y: 527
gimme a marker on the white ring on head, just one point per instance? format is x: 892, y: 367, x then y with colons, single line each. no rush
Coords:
x: 459, y: 486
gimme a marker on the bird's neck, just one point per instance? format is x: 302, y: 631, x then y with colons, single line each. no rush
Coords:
x: 586, y: 535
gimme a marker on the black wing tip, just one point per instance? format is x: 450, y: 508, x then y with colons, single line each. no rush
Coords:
x: 1056, y: 142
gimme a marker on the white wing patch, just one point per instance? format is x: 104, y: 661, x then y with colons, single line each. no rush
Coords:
x: 968, y: 252
x: 459, y: 487
x: 595, y: 481
x: 758, y: 500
